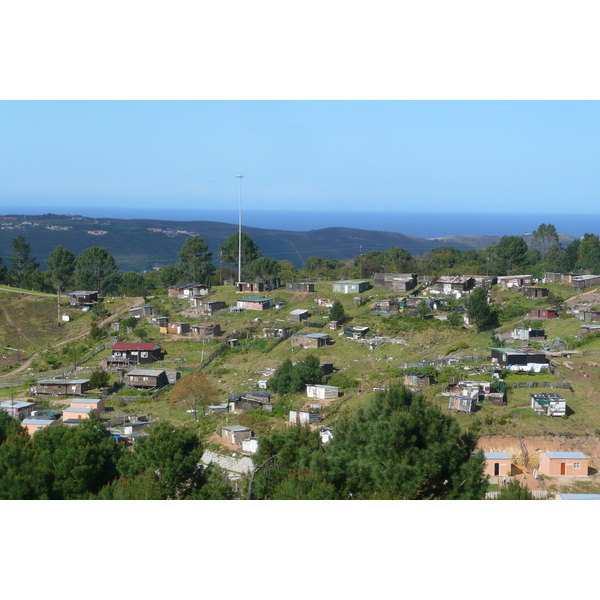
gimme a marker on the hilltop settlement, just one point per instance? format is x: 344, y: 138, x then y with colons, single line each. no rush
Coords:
x: 451, y: 375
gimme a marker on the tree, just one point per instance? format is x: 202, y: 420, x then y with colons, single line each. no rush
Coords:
x: 478, y: 309
x: 508, y: 255
x: 397, y: 259
x: 61, y: 264
x: 293, y: 378
x: 442, y: 260
x: 263, y: 268
x: 281, y: 381
x: 455, y: 319
x: 514, y: 491
x: 568, y: 259
x: 307, y: 371
x: 229, y: 250
x: 168, y: 276
x: 77, y: 462
x: 133, y: 284
x: 21, y: 259
x: 337, y: 312
x: 99, y: 379
x: 195, y: 260
x: 194, y: 391
x: 316, y: 266
x: 543, y: 238
x: 96, y: 270
x: 171, y: 457
x: 21, y: 476
x: 8, y: 426
x: 399, y: 447
x: 423, y: 308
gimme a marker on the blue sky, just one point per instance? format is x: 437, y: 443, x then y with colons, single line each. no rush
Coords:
x: 484, y: 156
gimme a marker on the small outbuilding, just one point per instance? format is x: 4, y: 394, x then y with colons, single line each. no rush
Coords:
x: 497, y: 464
x: 311, y: 340
x: 549, y: 405
x: 146, y: 378
x: 322, y: 392
x: 350, y: 287
x: 298, y: 315
x: 235, y: 434
x: 304, y: 417
x: 63, y: 387
x: 571, y: 464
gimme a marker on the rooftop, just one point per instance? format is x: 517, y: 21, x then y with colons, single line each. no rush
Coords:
x: 146, y: 372
x: 63, y: 381
x: 567, y: 455
x: 496, y: 455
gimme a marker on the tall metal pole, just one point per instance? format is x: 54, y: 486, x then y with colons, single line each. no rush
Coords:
x: 240, y: 177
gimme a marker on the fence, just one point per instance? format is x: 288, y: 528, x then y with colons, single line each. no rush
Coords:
x: 563, y: 385
x: 537, y: 495
x: 446, y: 362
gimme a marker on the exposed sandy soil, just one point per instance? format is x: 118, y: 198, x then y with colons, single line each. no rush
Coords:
x: 588, y: 444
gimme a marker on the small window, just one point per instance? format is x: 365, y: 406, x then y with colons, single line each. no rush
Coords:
x: 576, y: 465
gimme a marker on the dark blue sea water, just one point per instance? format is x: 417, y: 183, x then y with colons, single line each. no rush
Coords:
x: 418, y: 224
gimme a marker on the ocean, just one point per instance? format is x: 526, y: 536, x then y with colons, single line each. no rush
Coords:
x: 417, y: 224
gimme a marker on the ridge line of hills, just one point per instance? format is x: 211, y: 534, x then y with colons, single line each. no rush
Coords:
x: 143, y: 244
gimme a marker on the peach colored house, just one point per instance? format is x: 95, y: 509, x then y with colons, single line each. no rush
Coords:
x: 96, y: 404
x: 33, y: 424
x: 572, y: 464
x: 497, y: 464
x: 76, y: 413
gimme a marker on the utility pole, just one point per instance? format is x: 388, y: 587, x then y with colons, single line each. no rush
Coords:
x: 240, y: 177
x: 360, y: 264
x: 58, y: 296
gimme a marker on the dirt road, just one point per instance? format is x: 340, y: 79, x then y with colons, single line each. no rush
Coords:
x: 25, y: 365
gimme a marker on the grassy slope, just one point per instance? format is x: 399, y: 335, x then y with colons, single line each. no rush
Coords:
x: 240, y: 370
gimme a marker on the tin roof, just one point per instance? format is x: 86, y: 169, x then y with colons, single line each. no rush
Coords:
x: 496, y: 455
x: 88, y: 400
x: 579, y: 496
x: 15, y: 404
x: 146, y: 372
x: 63, y: 381
x: 566, y: 455
x: 127, y: 346
x: 314, y: 335
x: 255, y: 299
x: 38, y: 421
x: 235, y: 428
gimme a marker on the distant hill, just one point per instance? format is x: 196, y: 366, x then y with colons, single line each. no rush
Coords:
x: 142, y: 244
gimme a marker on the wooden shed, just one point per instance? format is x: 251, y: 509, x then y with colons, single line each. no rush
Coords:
x: 412, y: 378
x: 234, y: 434
x: 63, y: 387
x: 311, y: 340
x: 300, y: 287
x: 298, y: 315
x: 146, y: 378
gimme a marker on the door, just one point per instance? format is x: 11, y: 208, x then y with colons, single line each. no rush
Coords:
x: 496, y: 469
x: 563, y: 468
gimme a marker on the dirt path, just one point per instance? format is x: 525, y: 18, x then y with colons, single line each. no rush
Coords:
x: 13, y: 324
x: 136, y: 302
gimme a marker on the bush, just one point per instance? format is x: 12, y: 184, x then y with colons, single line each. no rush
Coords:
x: 99, y: 379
